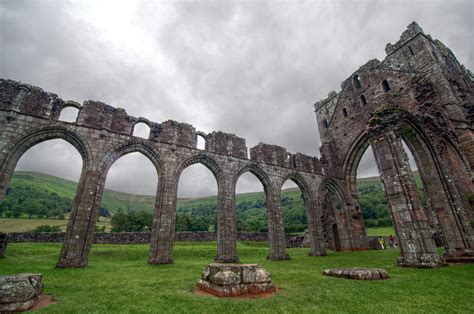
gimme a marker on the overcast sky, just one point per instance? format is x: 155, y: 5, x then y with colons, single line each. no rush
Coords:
x: 253, y: 68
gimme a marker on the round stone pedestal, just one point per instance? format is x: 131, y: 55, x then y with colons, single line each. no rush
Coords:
x: 232, y: 280
x: 358, y: 273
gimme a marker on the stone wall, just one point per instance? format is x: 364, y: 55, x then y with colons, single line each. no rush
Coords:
x: 143, y: 237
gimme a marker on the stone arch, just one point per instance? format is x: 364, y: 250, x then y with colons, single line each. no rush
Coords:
x: 352, y: 161
x: 257, y: 171
x: 141, y: 121
x: 69, y: 105
x: 334, y: 216
x: 302, y: 185
x: 313, y: 214
x: 203, y: 136
x: 333, y: 187
x: 132, y: 147
x: 205, y: 160
x: 19, y: 145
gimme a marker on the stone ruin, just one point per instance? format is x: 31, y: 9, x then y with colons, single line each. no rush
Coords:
x: 233, y: 280
x: 358, y: 273
x: 20, y: 292
x: 419, y: 94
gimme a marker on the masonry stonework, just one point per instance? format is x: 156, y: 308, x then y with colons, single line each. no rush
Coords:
x: 421, y: 95
x: 418, y: 94
x: 102, y: 134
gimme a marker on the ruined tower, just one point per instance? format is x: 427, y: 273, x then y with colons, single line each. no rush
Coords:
x: 422, y: 95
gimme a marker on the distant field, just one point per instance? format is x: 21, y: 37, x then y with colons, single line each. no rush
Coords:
x: 381, y: 231
x: 25, y: 224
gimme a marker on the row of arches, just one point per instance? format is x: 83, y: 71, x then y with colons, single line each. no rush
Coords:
x: 99, y: 175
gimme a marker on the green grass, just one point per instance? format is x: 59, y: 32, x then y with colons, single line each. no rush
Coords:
x: 118, y: 279
x: 380, y: 231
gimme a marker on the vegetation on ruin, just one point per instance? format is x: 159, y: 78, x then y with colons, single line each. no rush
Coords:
x: 118, y: 279
x: 38, y: 195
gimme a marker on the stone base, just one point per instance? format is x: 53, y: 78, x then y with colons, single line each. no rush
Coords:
x: 423, y: 261
x: 283, y: 257
x: 358, y: 273
x: 226, y: 259
x: 20, y: 292
x: 318, y: 253
x: 233, y: 280
x: 70, y: 263
x: 160, y: 260
x: 456, y: 257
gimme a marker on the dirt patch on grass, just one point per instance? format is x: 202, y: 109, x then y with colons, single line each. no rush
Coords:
x: 200, y: 292
x: 44, y: 301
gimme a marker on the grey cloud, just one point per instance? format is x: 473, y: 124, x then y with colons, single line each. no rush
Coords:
x: 253, y: 68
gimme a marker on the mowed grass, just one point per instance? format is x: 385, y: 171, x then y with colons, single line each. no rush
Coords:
x: 118, y: 279
x: 29, y: 224
x: 380, y: 231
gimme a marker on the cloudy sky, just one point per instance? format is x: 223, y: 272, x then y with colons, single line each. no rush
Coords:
x: 253, y: 68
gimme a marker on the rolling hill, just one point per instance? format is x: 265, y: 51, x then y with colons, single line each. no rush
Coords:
x: 39, y: 195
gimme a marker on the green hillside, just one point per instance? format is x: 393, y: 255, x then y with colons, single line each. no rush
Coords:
x: 373, y: 202
x: 39, y: 195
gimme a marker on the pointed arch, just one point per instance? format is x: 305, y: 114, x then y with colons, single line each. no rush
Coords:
x: 131, y: 147
x: 19, y: 145
x: 257, y: 171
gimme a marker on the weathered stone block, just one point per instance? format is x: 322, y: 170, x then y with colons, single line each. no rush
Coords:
x: 230, y: 280
x: 358, y: 273
x: 20, y: 292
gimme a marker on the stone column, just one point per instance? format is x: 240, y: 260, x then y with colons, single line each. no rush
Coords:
x: 276, y: 231
x: 315, y: 228
x: 164, y: 220
x: 226, y: 222
x: 82, y: 220
x: 417, y: 248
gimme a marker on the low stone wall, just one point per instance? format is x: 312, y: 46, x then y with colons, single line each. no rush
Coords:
x: 144, y: 237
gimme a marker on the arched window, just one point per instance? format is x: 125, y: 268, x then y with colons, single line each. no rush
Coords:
x: 325, y: 123
x: 201, y: 142
x: 356, y: 80
x: 386, y: 86
x: 344, y: 112
x: 69, y: 114
x: 363, y: 100
x: 141, y: 129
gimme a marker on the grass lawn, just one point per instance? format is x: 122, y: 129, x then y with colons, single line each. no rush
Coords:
x: 380, y: 231
x: 119, y: 280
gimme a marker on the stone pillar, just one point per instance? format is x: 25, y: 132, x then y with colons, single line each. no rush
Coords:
x: 276, y: 231
x: 417, y: 248
x: 226, y: 222
x: 164, y: 220
x: 315, y: 228
x: 82, y: 220
x: 454, y: 215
